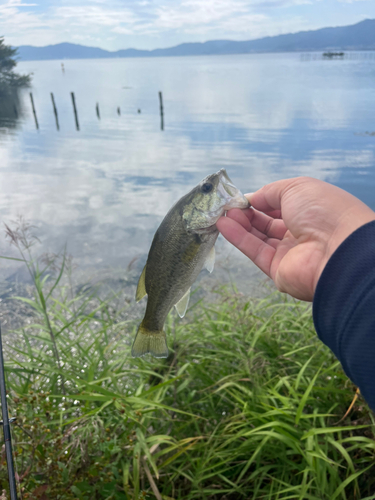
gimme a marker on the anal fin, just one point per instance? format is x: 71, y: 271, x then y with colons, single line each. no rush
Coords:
x: 182, y: 304
x: 141, y: 288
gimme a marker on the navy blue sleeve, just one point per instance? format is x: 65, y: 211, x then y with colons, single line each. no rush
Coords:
x: 344, y: 308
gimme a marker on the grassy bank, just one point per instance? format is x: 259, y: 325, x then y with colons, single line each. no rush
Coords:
x: 248, y: 404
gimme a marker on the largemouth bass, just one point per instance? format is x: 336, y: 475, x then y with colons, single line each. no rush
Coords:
x: 182, y: 246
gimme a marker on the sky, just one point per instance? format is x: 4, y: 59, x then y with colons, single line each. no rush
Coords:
x: 150, y: 24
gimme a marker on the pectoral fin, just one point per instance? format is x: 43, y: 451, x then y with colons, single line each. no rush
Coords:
x: 210, y: 261
x: 182, y: 304
x: 141, y: 288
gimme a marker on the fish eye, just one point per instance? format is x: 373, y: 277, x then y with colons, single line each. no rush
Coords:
x: 206, y: 187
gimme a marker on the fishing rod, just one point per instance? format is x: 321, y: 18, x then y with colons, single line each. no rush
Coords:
x: 6, y: 427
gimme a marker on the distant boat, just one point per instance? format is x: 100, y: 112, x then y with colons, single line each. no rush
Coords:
x: 331, y: 55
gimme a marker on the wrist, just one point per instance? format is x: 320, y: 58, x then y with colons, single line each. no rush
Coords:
x: 350, y: 221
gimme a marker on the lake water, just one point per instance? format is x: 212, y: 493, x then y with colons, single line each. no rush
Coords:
x: 104, y: 189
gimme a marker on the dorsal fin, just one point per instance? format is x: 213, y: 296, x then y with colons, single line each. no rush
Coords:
x: 141, y: 288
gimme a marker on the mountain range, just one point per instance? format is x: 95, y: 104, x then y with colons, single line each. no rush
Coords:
x: 360, y: 36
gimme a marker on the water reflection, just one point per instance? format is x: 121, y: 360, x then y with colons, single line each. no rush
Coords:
x: 105, y: 189
x: 10, y: 109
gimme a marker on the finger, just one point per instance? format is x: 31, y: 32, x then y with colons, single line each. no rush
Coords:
x: 259, y: 224
x: 272, y: 242
x: 268, y: 198
x: 272, y: 228
x: 243, y: 217
x: 246, y: 219
x: 254, y: 248
x: 275, y: 214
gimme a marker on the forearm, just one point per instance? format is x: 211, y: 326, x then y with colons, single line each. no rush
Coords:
x: 344, y: 308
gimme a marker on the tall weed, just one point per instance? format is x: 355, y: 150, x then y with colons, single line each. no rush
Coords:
x: 248, y: 404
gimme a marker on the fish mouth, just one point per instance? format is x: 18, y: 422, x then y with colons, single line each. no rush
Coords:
x: 228, y: 196
x: 232, y: 196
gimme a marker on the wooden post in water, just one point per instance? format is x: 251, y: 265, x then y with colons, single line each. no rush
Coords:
x: 75, y: 110
x: 15, y: 110
x: 55, y: 112
x: 97, y: 111
x: 34, y: 112
x: 119, y: 111
x: 161, y: 111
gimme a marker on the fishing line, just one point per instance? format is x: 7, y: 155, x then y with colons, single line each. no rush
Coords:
x: 6, y: 427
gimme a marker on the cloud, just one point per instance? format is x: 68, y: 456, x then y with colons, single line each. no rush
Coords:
x: 114, y: 24
x: 26, y: 24
x: 16, y: 3
x: 196, y: 12
x: 92, y: 16
x: 161, y: 15
x: 12, y: 16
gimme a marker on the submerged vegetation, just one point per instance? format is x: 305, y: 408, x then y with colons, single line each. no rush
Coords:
x: 249, y: 404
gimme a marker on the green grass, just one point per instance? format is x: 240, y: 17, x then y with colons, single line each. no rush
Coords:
x: 247, y: 406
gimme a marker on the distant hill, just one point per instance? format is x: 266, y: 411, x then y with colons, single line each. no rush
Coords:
x: 360, y: 36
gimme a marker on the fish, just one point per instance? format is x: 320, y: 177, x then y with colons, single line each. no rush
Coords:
x: 182, y: 246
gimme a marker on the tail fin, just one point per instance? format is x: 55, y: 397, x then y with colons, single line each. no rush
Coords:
x: 147, y: 341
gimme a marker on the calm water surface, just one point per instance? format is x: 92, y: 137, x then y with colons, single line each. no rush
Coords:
x: 104, y: 189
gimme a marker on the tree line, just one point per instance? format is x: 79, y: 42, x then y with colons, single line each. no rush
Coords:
x: 10, y: 81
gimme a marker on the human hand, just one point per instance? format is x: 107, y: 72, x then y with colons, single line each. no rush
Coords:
x: 296, y: 226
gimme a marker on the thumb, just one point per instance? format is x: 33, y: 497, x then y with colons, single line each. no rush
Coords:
x: 269, y: 197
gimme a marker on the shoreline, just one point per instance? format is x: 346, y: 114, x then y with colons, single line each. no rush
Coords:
x: 119, y: 284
